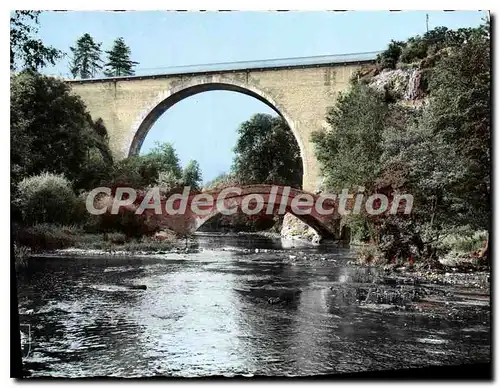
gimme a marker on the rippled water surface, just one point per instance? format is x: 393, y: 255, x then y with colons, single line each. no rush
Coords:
x: 207, y: 313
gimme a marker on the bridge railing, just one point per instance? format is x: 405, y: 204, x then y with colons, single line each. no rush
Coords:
x: 248, y: 65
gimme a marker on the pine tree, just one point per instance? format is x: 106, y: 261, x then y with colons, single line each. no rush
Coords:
x: 119, y: 62
x: 86, y: 60
x: 191, y: 175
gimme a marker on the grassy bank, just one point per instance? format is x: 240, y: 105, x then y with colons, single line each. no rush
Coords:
x: 48, y: 237
x: 462, y: 253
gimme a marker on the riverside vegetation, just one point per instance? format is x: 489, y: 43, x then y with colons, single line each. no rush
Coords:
x: 418, y: 122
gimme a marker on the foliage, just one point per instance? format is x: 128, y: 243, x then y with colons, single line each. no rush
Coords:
x: 438, y: 151
x: 349, y: 152
x: 240, y: 222
x: 191, y: 175
x: 86, y: 61
x: 161, y: 158
x: 51, y: 129
x: 460, y: 109
x: 367, y: 254
x: 45, y: 198
x: 221, y: 181
x: 267, y: 152
x: 126, y: 221
x: 119, y: 62
x: 445, y: 157
x: 168, y: 181
x: 390, y: 57
x: 467, y: 243
x: 160, y: 166
x: 424, y: 48
x: 21, y: 254
x: 26, y: 51
x: 46, y: 236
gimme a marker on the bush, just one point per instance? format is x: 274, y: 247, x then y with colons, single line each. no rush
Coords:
x: 126, y: 221
x: 21, y: 254
x: 414, y: 51
x: 390, y: 57
x: 466, y: 243
x: 45, y: 237
x: 369, y: 253
x: 45, y: 198
x: 94, y: 172
x: 80, y: 214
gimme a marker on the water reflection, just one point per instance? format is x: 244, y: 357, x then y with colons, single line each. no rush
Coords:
x: 209, y: 313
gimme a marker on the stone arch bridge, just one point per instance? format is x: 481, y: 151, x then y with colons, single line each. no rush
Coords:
x: 299, y: 89
x: 186, y: 218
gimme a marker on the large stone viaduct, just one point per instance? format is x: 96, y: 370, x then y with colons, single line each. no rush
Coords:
x: 299, y: 89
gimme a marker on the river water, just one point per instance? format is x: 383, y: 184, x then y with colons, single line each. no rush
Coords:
x: 207, y: 313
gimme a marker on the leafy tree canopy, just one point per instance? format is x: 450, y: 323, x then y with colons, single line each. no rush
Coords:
x: 267, y: 152
x: 50, y: 128
x: 26, y: 51
x: 438, y: 151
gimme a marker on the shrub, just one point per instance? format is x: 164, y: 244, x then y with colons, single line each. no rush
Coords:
x: 94, y: 172
x: 126, y: 221
x: 390, y: 57
x: 80, y: 214
x: 369, y: 253
x: 45, y: 237
x: 466, y: 242
x: 168, y: 181
x: 51, y: 129
x: 45, y: 198
x: 21, y: 254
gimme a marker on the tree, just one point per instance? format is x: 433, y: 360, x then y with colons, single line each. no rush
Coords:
x: 390, y: 56
x: 191, y: 175
x: 119, y: 62
x: 445, y: 158
x: 26, y: 51
x: 160, y: 166
x: 460, y: 112
x: 45, y: 198
x: 220, y: 181
x: 50, y: 127
x: 267, y: 152
x: 438, y: 151
x: 349, y: 152
x: 86, y: 61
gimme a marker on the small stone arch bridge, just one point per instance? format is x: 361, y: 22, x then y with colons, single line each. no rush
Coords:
x: 187, y: 221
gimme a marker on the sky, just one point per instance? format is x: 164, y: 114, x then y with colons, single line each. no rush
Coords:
x: 204, y: 126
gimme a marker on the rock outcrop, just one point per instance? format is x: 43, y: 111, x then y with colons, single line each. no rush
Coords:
x: 295, y: 229
x: 403, y: 84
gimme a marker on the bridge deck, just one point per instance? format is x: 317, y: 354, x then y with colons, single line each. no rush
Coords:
x: 267, y: 64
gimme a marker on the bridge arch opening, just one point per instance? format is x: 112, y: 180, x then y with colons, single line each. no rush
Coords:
x: 166, y: 100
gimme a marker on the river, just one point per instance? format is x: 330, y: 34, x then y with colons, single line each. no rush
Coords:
x: 207, y: 313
